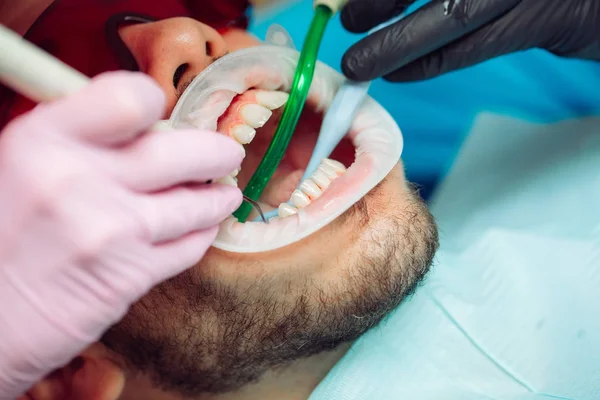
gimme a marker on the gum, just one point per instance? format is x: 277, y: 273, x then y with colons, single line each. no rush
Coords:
x: 232, y: 116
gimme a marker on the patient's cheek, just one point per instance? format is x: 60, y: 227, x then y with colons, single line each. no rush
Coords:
x: 237, y: 39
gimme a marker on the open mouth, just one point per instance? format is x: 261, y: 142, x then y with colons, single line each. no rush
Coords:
x: 242, y: 95
x: 251, y: 119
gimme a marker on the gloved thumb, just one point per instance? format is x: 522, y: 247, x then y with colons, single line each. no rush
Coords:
x: 113, y: 109
x: 358, y: 16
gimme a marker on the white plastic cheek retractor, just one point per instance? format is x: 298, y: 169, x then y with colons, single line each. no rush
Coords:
x: 374, y: 133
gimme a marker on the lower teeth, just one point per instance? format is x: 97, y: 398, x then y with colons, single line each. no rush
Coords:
x: 309, y: 190
x: 313, y: 187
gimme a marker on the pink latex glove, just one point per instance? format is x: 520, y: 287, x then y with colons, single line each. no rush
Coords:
x: 95, y: 211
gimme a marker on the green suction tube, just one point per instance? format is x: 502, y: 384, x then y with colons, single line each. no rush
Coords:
x: 291, y: 113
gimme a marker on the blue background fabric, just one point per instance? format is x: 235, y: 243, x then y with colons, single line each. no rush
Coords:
x: 436, y: 115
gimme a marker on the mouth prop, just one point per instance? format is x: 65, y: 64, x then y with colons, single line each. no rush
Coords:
x: 242, y: 95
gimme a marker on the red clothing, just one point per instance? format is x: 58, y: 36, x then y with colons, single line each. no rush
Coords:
x: 219, y: 13
x: 74, y: 32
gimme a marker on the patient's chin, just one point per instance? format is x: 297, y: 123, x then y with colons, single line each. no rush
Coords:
x: 222, y: 325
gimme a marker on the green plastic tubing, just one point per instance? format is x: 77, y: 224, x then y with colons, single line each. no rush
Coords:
x: 291, y: 113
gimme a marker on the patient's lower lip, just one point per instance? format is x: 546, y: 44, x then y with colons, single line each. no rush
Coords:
x: 347, y: 183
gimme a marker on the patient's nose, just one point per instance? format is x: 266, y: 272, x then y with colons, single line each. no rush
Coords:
x: 173, y: 51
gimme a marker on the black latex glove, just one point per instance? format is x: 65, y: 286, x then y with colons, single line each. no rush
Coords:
x: 445, y: 35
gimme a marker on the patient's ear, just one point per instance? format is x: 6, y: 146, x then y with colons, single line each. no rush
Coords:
x: 91, y: 376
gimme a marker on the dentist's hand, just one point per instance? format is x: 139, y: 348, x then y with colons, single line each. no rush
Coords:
x: 95, y: 211
x: 446, y: 35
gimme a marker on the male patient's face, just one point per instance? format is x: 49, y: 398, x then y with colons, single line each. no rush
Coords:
x: 231, y: 317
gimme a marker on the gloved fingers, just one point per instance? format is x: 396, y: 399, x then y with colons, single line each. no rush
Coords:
x: 431, y: 27
x: 113, y: 109
x: 495, y: 39
x: 162, y: 159
x: 178, y: 255
x: 175, y: 213
x: 358, y: 16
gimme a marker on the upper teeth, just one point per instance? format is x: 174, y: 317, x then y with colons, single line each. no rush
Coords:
x: 271, y: 100
x: 313, y: 187
x: 243, y: 133
x: 255, y: 115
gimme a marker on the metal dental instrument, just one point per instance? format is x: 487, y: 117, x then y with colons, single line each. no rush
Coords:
x: 324, y: 10
x: 257, y: 208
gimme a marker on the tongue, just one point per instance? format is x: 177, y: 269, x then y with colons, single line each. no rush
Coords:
x: 280, y: 188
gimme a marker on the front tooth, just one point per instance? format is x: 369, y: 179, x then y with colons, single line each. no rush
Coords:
x: 299, y: 199
x: 271, y: 99
x: 285, y: 210
x: 255, y: 115
x: 321, y: 179
x: 336, y: 165
x: 227, y: 180
x: 243, y: 133
x: 310, y: 188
